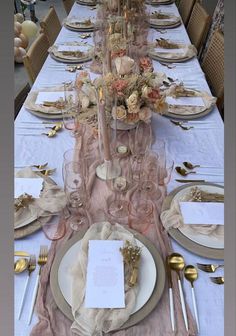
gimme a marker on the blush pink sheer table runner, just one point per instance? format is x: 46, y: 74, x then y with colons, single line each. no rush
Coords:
x: 53, y: 322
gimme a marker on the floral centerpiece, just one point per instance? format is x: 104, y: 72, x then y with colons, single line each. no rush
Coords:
x: 136, y: 95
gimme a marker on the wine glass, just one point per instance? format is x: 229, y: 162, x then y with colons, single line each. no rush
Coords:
x: 142, y: 140
x: 74, y: 186
x: 117, y: 205
x: 140, y: 214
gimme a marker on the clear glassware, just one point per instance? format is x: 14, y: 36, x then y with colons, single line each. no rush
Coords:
x: 117, y: 204
x: 74, y: 186
x: 142, y: 140
x: 140, y: 214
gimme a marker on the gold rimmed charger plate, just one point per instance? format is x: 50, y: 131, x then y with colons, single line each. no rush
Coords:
x: 205, y: 111
x: 36, y: 224
x: 134, y: 318
x: 82, y: 28
x: 158, y: 3
x: 176, y: 234
x: 46, y: 115
x: 156, y: 57
x: 86, y: 3
x: 166, y: 26
x: 63, y: 59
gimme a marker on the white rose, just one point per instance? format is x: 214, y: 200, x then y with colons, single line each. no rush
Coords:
x: 119, y: 112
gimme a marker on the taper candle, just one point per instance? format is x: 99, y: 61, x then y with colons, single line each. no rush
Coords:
x: 103, y: 126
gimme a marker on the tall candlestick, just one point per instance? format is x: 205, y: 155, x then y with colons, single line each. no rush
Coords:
x: 103, y: 126
x: 119, y: 8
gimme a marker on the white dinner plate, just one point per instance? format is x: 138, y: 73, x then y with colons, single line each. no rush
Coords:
x: 147, y: 274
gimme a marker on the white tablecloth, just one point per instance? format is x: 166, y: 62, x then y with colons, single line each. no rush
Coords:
x: 198, y: 145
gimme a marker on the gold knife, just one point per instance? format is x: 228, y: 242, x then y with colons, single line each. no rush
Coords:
x: 171, y: 299
x: 21, y: 254
x: 188, y: 181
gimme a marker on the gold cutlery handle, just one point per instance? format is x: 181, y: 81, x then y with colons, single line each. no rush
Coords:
x: 21, y: 254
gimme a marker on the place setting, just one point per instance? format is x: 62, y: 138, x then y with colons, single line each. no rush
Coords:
x: 187, y: 103
x: 193, y: 216
x: 71, y: 52
x: 165, y: 50
x: 164, y: 20
x: 79, y: 25
x: 33, y: 190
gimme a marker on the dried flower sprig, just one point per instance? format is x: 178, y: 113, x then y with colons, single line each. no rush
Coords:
x: 23, y: 201
x: 132, y: 256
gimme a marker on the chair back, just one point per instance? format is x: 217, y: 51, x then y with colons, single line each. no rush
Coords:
x: 36, y: 56
x: 198, y: 26
x: 50, y: 25
x: 213, y: 66
x: 185, y: 9
x: 68, y: 5
x: 20, y: 98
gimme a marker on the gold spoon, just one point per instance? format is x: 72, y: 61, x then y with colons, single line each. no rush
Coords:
x: 176, y: 263
x: 20, y: 265
x: 191, y: 274
x: 183, y: 172
x: 47, y: 172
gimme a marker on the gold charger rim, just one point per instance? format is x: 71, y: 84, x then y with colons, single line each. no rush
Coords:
x: 85, y: 3
x: 189, y: 116
x: 134, y: 318
x: 188, y: 244
x: 161, y: 26
x: 70, y: 61
x: 77, y: 29
x: 167, y: 2
x: 170, y: 60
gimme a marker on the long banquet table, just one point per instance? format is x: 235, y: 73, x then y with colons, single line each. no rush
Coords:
x: 204, y: 146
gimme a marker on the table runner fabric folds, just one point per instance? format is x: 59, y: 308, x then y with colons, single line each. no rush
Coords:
x: 53, y: 322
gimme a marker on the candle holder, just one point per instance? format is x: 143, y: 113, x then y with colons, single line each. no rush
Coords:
x: 110, y: 168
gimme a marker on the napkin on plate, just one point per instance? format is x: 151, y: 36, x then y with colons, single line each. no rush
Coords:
x: 51, y: 201
x: 172, y: 218
x: 91, y: 321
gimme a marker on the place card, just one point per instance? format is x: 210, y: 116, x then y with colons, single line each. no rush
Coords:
x: 31, y: 186
x: 171, y: 51
x: 50, y: 96
x: 105, y: 275
x: 211, y: 213
x: 72, y: 48
x: 185, y: 101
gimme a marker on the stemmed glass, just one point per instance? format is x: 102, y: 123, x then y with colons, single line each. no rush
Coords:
x: 74, y: 185
x: 117, y: 205
x: 142, y: 140
x: 140, y: 214
x: 72, y: 110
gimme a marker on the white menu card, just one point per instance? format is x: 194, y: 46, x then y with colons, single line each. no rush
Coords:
x: 105, y: 275
x: 185, y: 101
x: 32, y: 186
x: 211, y: 213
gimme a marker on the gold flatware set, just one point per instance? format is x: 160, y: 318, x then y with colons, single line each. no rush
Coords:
x: 190, y: 124
x: 28, y: 262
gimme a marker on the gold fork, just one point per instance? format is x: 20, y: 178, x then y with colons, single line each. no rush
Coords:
x: 218, y: 280
x: 210, y: 268
x: 43, y: 256
x: 31, y: 268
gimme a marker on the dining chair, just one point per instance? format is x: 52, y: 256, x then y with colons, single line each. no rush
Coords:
x: 185, y: 9
x: 198, y: 25
x: 68, y: 5
x: 36, y: 56
x: 51, y: 25
x: 20, y: 98
x: 213, y: 67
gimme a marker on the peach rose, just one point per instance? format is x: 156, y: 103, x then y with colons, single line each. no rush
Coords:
x: 119, y: 112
